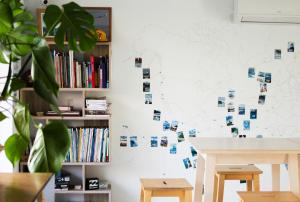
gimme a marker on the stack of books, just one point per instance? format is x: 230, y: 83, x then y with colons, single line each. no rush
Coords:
x: 80, y: 72
x: 96, y: 106
x: 89, y: 145
x: 64, y: 111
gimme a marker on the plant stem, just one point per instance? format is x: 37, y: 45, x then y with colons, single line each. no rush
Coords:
x: 4, y: 92
x: 24, y: 66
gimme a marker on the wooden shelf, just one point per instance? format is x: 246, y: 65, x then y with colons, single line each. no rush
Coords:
x: 98, y: 191
x: 79, y: 118
x: 99, y: 43
x: 85, y: 163
x: 74, y: 89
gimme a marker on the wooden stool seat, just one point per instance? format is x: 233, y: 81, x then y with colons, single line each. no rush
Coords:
x: 166, y: 188
x: 268, y: 196
x: 250, y: 173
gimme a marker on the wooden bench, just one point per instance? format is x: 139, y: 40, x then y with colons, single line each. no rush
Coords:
x: 250, y: 173
x: 268, y: 196
x: 166, y: 188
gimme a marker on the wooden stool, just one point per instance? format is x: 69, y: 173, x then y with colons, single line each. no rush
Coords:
x: 166, y: 188
x: 250, y: 173
x: 268, y: 196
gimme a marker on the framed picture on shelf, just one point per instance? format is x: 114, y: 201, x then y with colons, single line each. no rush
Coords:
x: 102, y: 22
x: 42, y: 26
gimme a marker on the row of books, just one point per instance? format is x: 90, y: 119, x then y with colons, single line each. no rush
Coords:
x: 77, y: 72
x: 89, y: 145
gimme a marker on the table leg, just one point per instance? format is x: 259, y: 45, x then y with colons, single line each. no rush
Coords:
x: 199, y: 179
x: 210, y: 164
x: 275, y: 177
x: 294, y: 175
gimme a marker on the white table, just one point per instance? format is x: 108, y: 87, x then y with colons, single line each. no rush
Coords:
x: 274, y: 151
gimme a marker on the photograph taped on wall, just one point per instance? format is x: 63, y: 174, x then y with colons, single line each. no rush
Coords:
x: 146, y: 73
x: 230, y: 107
x: 148, y: 98
x: 234, y: 132
x: 251, y: 72
x: 242, y: 109
x: 138, y: 62
x: 156, y: 115
x: 253, y: 113
x: 246, y: 124
x: 261, y: 99
x: 195, y: 163
x: 231, y: 94
x: 153, y: 142
x: 166, y: 125
x: 180, y: 136
x: 221, y: 101
x: 187, y: 163
x: 268, y: 77
x: 291, y: 47
x: 193, y: 151
x: 164, y: 141
x: 173, y: 149
x: 192, y: 132
x: 261, y: 77
x: 277, y: 54
x: 229, y: 120
x: 146, y: 87
x: 263, y: 87
x: 174, y: 125
x: 123, y: 141
x: 133, y: 141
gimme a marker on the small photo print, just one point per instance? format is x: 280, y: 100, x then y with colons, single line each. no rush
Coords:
x: 231, y: 107
x: 173, y: 149
x: 268, y: 77
x: 156, y: 115
x: 277, y: 54
x: 123, y: 141
x: 164, y: 141
x: 146, y: 73
x: 187, y: 163
x: 242, y: 109
x: 192, y: 133
x: 221, y: 102
x: 229, y: 120
x: 261, y: 99
x: 251, y: 72
x: 263, y: 87
x: 146, y: 87
x: 193, y: 151
x: 234, y: 132
x: 133, y: 141
x: 291, y: 47
x: 261, y: 77
x: 253, y: 113
x: 148, y: 98
x: 153, y: 141
x: 246, y: 124
x: 174, y: 126
x: 231, y: 94
x: 166, y: 125
x: 195, y: 163
x: 180, y: 136
x: 138, y: 62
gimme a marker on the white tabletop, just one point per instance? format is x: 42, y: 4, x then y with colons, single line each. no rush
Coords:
x: 246, y: 145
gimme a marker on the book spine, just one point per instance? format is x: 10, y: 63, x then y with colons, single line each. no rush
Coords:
x: 92, y: 60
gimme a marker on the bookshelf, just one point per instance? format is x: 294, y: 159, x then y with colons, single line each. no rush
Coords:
x: 76, y: 97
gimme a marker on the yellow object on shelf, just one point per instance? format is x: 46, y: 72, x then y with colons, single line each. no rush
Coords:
x: 101, y: 35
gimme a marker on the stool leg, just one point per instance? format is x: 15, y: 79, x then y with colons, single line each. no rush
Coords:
x: 188, y: 196
x: 256, y: 183
x: 147, y: 195
x: 215, y: 188
x: 249, y: 185
x: 221, y: 188
x: 142, y: 195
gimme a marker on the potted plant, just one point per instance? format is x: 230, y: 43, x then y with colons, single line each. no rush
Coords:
x: 19, y: 37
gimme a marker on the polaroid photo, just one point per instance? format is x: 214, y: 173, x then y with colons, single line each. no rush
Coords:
x: 146, y: 73
x: 153, y: 141
x: 246, y: 124
x: 180, y: 136
x: 263, y: 87
x: 268, y: 77
x: 138, y: 62
x: 277, y: 54
x: 174, y: 126
x: 123, y: 141
x: 173, y: 149
x: 261, y: 99
x: 261, y: 77
x: 229, y: 120
x: 187, y: 163
x: 221, y: 101
x: 253, y: 113
x: 133, y: 141
x: 231, y: 94
x: 156, y: 115
x: 164, y: 141
x: 195, y: 163
x: 146, y: 87
x: 242, y: 109
x: 193, y: 151
x: 291, y: 47
x: 251, y: 72
x: 148, y: 98
x: 234, y: 132
x: 230, y: 107
x: 166, y: 125
x: 192, y: 133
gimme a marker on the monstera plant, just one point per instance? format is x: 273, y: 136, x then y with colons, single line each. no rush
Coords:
x: 19, y: 39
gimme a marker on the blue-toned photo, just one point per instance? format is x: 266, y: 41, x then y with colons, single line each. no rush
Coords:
x: 193, y: 151
x: 192, y: 133
x: 241, y: 109
x: 133, y: 141
x: 253, y: 114
x: 268, y: 77
x: 173, y: 149
x: 246, y: 124
x: 229, y: 120
x: 154, y: 141
x: 166, y: 125
x: 221, y: 102
x: 251, y: 72
x: 180, y: 136
x: 187, y: 163
x: 234, y: 132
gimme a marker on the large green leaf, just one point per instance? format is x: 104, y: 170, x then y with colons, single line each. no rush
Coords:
x: 72, y: 22
x: 16, y: 84
x: 43, y: 73
x: 15, y: 147
x: 22, y: 120
x: 50, y: 148
x: 2, y: 116
x: 6, y: 18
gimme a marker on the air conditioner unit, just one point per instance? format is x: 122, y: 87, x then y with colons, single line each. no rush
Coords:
x: 267, y: 11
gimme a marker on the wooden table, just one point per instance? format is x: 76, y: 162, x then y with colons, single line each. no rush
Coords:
x: 25, y: 187
x: 274, y: 151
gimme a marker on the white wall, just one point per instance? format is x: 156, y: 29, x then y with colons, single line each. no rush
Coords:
x: 196, y: 54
